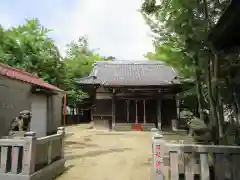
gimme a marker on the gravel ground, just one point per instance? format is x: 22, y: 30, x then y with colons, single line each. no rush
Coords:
x: 102, y: 155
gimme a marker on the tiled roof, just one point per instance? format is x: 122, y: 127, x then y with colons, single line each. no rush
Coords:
x: 132, y: 73
x: 18, y: 74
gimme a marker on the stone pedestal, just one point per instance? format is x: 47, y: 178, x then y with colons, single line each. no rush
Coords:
x: 174, y: 124
x: 159, y: 125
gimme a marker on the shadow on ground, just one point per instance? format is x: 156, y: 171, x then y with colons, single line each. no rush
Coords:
x: 114, y: 134
x: 148, y: 162
x: 78, y: 145
x: 177, y: 136
x: 66, y: 169
x: 96, y: 153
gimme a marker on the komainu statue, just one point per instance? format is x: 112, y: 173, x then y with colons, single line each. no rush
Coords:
x: 21, y: 122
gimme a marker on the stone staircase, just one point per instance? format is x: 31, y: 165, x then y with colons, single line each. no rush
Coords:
x: 128, y: 127
x: 122, y: 127
x: 148, y: 126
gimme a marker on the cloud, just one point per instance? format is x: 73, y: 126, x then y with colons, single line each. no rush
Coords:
x: 115, y: 28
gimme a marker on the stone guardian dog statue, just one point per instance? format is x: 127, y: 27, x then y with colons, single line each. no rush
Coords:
x: 21, y: 122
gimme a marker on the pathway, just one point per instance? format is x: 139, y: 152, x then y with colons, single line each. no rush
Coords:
x: 103, y: 155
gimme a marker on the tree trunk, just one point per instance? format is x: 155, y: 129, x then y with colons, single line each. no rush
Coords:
x: 198, y: 88
x: 216, y: 95
x: 231, y: 102
x: 220, y: 117
x: 236, y: 102
x: 212, y: 81
x: 235, y: 113
x: 213, y: 110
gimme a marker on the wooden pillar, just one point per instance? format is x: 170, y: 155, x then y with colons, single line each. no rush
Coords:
x: 159, y: 113
x: 144, y: 111
x: 176, y: 121
x: 178, y: 109
x: 113, y: 110
x: 91, y: 114
x: 136, y: 112
x: 128, y: 101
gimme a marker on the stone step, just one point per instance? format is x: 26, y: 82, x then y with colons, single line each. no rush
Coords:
x: 128, y: 127
x: 125, y: 124
x: 147, y: 127
x: 123, y: 128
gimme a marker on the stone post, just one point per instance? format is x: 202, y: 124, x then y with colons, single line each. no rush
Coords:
x: 29, y: 153
x: 158, y: 154
x: 174, y: 125
x: 61, y: 131
x: 154, y: 131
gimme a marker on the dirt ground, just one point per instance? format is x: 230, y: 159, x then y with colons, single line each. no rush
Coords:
x: 103, y: 155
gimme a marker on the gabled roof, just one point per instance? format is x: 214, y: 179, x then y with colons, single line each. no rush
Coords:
x: 20, y: 75
x: 130, y: 73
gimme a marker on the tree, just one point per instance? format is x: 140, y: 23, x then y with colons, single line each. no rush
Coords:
x: 180, y: 30
x: 78, y: 61
x: 29, y: 48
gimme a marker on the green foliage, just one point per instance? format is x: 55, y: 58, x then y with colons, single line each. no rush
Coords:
x: 78, y: 61
x: 180, y: 31
x: 79, y: 58
x: 29, y: 47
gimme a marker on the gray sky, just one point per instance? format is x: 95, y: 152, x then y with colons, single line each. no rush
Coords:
x: 114, y: 27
